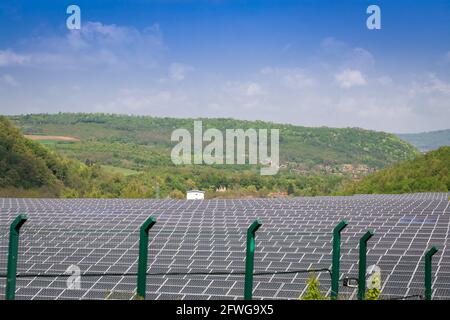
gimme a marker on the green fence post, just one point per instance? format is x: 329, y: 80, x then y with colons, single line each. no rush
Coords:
x: 13, y: 252
x: 143, y: 257
x: 428, y: 278
x: 336, y: 257
x: 249, y: 259
x: 362, y: 264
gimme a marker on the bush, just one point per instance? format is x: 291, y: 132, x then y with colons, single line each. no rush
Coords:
x: 373, y: 294
x: 313, y: 290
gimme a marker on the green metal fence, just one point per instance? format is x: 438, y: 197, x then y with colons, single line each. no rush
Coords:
x: 247, y: 275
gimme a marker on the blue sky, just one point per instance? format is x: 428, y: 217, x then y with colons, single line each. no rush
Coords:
x: 310, y: 63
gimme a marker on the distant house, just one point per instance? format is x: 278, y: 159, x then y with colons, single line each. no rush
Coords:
x: 195, y: 195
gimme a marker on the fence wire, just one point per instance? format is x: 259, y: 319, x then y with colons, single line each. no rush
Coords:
x: 190, y: 263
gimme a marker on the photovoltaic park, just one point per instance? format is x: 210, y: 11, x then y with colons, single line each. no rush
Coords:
x: 203, y: 249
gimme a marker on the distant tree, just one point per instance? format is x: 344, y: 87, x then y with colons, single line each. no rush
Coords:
x: 177, y: 194
x: 291, y: 189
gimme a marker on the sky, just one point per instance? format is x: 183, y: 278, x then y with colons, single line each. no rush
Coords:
x: 310, y: 63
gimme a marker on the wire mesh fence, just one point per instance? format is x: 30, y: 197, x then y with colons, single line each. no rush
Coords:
x: 198, y: 252
x: 206, y: 263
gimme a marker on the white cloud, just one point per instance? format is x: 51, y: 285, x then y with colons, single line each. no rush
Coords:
x: 360, y: 58
x: 385, y: 80
x: 243, y: 89
x: 178, y: 71
x: 350, y: 78
x: 429, y: 85
x: 142, y: 101
x: 253, y: 89
x: 338, y: 53
x: 95, y: 44
x: 294, y: 78
x: 9, y: 80
x: 447, y: 57
x: 301, y: 94
x: 332, y: 44
x: 10, y: 58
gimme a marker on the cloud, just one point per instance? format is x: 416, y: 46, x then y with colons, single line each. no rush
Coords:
x: 253, y: 89
x: 360, y: 58
x: 447, y: 57
x: 385, y: 80
x: 299, y: 94
x: 338, y: 53
x: 294, y: 78
x: 350, y: 78
x: 94, y: 45
x: 178, y: 71
x: 142, y: 101
x: 333, y: 45
x: 9, y: 80
x: 243, y: 89
x: 10, y: 58
x: 430, y: 84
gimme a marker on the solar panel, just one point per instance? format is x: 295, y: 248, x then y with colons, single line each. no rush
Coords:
x: 101, y: 237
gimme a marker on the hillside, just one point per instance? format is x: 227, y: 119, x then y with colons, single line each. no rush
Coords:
x: 29, y: 169
x: 142, y: 142
x: 23, y: 163
x: 426, y: 173
x: 426, y: 141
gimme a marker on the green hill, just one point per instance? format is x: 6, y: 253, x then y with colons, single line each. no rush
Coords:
x: 426, y: 173
x: 27, y: 168
x: 25, y: 164
x: 141, y: 142
x: 102, y: 155
x: 30, y: 169
x: 427, y: 141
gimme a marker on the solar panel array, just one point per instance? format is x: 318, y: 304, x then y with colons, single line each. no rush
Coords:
x: 102, y: 236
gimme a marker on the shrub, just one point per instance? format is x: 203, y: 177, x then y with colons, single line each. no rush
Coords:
x: 313, y: 290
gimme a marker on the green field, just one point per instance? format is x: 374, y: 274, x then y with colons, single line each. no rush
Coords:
x: 125, y: 172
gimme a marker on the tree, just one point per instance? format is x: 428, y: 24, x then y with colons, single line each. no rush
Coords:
x: 291, y: 189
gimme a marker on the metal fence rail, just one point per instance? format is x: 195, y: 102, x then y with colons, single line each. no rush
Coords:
x: 244, y: 278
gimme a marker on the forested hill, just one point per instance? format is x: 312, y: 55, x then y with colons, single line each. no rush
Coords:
x: 23, y: 163
x: 426, y: 141
x: 29, y: 169
x: 139, y: 142
x: 426, y: 173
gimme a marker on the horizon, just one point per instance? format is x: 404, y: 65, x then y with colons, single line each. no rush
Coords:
x: 306, y: 63
x: 219, y: 118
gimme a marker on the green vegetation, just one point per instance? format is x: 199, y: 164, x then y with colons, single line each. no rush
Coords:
x: 125, y: 172
x: 313, y: 289
x: 175, y: 181
x: 373, y: 294
x: 427, y: 141
x: 129, y: 156
x: 426, y: 173
x: 29, y: 168
x: 140, y: 142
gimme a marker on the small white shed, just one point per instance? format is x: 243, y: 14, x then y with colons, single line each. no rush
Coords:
x: 195, y: 195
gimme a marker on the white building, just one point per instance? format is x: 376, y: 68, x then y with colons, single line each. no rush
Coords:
x: 195, y: 195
